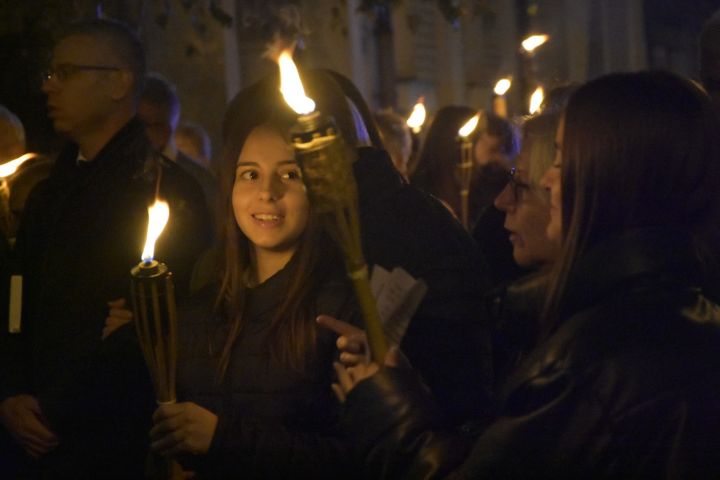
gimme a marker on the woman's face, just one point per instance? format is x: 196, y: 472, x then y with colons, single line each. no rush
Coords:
x: 269, y: 199
x: 552, y: 182
x: 527, y: 213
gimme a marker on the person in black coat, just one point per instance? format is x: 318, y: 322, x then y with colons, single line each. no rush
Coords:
x: 624, y: 381
x: 76, y: 395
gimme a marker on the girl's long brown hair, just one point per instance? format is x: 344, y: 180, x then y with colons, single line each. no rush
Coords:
x: 292, y: 337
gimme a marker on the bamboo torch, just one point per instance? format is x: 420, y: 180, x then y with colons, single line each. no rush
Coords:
x: 155, y: 316
x: 465, y: 166
x: 326, y: 163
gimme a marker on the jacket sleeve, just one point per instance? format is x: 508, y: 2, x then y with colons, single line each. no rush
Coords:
x: 397, y: 429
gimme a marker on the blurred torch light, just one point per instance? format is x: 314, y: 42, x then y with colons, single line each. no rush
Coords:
x: 466, y: 165
x: 10, y: 167
x: 417, y: 117
x: 534, y: 41
x: 536, y: 100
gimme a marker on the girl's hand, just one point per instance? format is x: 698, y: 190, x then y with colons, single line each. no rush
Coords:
x: 182, y: 428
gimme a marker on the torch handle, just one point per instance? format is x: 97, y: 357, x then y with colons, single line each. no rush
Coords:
x: 373, y: 326
x: 465, y: 170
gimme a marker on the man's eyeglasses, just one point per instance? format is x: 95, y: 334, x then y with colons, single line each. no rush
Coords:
x: 65, y: 70
x: 517, y: 186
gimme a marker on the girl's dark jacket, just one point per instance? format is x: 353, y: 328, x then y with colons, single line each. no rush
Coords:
x: 627, y: 386
x: 273, y: 422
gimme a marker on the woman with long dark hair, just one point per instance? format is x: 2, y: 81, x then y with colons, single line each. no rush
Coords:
x: 625, y: 380
x: 255, y: 375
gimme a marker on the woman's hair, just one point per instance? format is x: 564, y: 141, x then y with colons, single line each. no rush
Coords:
x: 440, y: 154
x: 539, y: 133
x: 293, y: 332
x: 638, y: 150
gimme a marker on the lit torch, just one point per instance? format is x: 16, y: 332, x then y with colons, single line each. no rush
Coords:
x: 466, y: 165
x: 417, y: 117
x: 499, y: 101
x: 153, y: 296
x: 326, y: 163
x: 6, y: 170
x: 536, y: 100
x: 534, y: 41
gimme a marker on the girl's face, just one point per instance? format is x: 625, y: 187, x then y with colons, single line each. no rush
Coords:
x: 269, y: 199
x: 527, y: 214
x: 552, y: 182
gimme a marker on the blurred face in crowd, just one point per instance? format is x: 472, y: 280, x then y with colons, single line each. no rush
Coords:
x: 157, y: 123
x: 527, y: 214
x: 269, y: 199
x: 488, y: 149
x: 83, y: 86
x: 552, y: 182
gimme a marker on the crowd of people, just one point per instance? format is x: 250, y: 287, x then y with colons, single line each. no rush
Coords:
x: 572, y: 331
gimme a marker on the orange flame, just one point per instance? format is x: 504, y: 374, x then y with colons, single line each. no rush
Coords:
x: 158, y: 215
x: 534, y: 41
x: 469, y: 126
x: 417, y: 117
x: 10, y: 167
x: 502, y: 86
x: 536, y: 100
x: 291, y: 86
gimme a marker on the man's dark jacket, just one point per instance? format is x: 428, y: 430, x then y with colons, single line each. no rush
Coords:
x: 82, y: 231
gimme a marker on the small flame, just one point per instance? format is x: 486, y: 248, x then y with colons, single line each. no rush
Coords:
x: 534, y: 41
x: 291, y: 86
x: 158, y: 215
x: 536, y: 100
x: 502, y: 86
x: 417, y: 117
x: 10, y: 167
x: 469, y: 126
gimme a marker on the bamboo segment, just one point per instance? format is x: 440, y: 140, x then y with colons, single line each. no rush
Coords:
x: 326, y: 164
x: 465, y: 168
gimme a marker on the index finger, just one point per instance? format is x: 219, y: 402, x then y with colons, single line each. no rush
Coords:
x: 117, y: 303
x: 338, y: 326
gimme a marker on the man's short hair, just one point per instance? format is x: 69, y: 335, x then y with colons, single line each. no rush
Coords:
x: 158, y: 91
x: 121, y: 39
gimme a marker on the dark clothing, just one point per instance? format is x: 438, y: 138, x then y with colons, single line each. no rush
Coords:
x: 207, y: 181
x: 626, y: 386
x: 448, y: 338
x: 515, y: 309
x: 82, y: 231
x: 274, y: 422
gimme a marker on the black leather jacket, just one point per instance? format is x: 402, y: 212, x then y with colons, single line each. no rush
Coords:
x: 627, y: 386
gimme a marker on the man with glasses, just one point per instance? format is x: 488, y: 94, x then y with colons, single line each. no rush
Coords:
x: 74, y: 391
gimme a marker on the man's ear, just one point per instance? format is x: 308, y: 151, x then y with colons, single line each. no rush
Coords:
x: 123, y: 82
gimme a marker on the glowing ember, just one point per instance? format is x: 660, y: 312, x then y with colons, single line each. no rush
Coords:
x: 158, y: 215
x: 534, y: 41
x: 502, y: 86
x: 291, y: 86
x: 8, y: 168
x: 417, y: 117
x: 469, y: 126
x: 536, y: 100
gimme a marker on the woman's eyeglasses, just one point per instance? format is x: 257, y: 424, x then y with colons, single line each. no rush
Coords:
x: 65, y: 70
x: 517, y: 186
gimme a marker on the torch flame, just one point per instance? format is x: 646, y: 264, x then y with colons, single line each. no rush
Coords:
x: 534, y: 41
x: 158, y: 215
x: 536, y: 100
x: 502, y: 86
x: 10, y: 167
x: 417, y: 117
x: 291, y: 86
x: 469, y: 126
